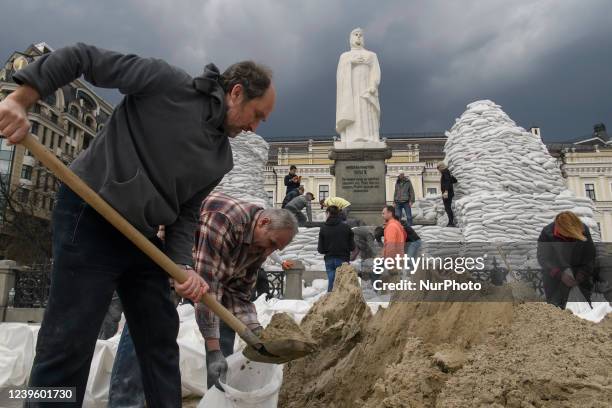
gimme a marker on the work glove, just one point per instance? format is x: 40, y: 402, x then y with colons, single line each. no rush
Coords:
x: 216, y: 368
x: 257, y: 331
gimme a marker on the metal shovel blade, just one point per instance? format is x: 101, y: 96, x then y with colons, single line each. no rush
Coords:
x: 279, y: 351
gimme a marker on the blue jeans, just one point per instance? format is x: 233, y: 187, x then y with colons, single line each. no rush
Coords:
x: 91, y: 260
x: 406, y: 207
x: 413, y: 248
x: 331, y: 264
x: 126, y: 379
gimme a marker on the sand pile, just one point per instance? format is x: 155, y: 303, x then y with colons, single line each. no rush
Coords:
x: 442, y: 354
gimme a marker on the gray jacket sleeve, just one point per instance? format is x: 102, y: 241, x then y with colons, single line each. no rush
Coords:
x: 129, y: 73
x: 180, y: 236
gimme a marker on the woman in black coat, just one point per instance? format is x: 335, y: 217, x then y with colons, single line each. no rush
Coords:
x: 446, y: 185
x: 566, y: 254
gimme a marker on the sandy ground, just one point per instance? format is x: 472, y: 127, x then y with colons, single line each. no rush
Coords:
x: 448, y: 354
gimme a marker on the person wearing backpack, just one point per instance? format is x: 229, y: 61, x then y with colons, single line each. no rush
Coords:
x: 446, y: 185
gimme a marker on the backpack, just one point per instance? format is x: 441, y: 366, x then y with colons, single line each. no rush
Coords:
x: 411, y: 234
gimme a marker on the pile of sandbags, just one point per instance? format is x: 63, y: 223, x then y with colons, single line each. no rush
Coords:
x: 247, y: 178
x: 509, y: 187
x: 430, y: 209
x: 304, y: 248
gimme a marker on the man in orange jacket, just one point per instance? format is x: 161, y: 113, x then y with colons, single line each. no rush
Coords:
x: 395, y: 234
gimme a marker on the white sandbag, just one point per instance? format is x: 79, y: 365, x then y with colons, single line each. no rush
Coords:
x: 17, y: 342
x: 249, y: 385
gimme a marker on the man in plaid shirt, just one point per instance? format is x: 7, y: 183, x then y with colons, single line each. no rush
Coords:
x: 233, y: 239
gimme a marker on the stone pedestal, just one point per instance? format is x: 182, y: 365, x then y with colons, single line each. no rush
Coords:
x: 360, y: 179
x: 293, y: 282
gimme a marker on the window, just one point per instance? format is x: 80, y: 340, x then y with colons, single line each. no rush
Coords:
x: 44, y: 137
x: 34, y: 129
x: 26, y: 172
x: 74, y: 111
x: 89, y: 122
x: 590, y: 191
x: 5, y: 166
x: 36, y: 108
x: 432, y: 191
x: 323, y: 191
x: 270, y: 196
x: 54, y: 118
x: 86, y: 141
x: 24, y: 195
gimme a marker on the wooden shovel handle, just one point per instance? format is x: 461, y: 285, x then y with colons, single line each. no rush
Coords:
x: 112, y: 216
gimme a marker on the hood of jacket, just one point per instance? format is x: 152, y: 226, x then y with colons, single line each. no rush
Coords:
x: 209, y: 83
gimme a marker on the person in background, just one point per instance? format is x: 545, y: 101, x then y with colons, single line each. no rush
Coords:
x: 342, y: 204
x: 566, y: 254
x: 291, y: 195
x: 394, y: 234
x: 446, y: 186
x: 413, y: 241
x: 296, y: 206
x: 336, y: 242
x: 292, y: 180
x: 403, y: 197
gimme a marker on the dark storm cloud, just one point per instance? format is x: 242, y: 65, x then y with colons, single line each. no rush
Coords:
x: 547, y: 62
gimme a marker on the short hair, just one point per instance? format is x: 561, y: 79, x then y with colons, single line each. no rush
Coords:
x: 292, y: 167
x: 311, y: 195
x: 391, y: 209
x: 281, y: 219
x: 569, y: 225
x: 301, y: 188
x: 379, y: 232
x: 333, y: 211
x: 442, y: 166
x: 254, y: 78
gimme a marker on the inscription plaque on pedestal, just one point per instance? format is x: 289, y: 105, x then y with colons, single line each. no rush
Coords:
x: 360, y: 178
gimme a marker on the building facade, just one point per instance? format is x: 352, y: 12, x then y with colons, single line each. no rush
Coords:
x: 586, y: 166
x: 65, y: 122
x: 416, y: 155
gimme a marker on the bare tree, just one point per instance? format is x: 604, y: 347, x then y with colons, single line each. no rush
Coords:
x: 26, y: 226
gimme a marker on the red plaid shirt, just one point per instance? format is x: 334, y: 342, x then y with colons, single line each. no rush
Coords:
x: 222, y: 258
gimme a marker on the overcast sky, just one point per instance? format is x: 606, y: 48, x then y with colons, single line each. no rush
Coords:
x: 547, y: 62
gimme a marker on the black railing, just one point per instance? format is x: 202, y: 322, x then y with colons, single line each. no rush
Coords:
x: 277, y: 284
x: 32, y: 286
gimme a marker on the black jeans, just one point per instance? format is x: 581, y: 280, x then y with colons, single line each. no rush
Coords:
x: 449, y: 209
x: 91, y: 260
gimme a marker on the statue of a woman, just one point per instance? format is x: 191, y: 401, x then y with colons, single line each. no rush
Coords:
x: 357, y: 106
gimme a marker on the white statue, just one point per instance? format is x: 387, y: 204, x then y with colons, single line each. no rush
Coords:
x: 357, y: 106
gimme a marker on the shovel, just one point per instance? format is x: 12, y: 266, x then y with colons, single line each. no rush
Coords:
x: 112, y: 216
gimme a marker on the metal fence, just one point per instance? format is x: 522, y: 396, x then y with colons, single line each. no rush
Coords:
x: 32, y: 286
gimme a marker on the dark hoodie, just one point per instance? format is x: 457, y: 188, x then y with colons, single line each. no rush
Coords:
x: 336, y: 240
x: 163, y: 149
